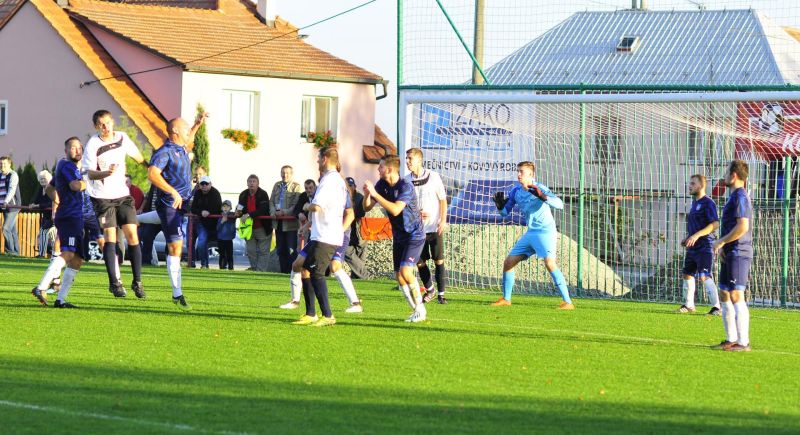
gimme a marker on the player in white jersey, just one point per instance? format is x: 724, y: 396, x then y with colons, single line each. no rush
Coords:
x: 111, y: 198
x: 432, y: 200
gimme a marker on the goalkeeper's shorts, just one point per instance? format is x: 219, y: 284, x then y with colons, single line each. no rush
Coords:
x: 542, y: 245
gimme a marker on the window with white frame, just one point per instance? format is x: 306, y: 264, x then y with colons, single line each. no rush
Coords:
x: 607, y: 140
x: 710, y: 141
x: 242, y: 110
x: 3, y: 116
x: 318, y: 115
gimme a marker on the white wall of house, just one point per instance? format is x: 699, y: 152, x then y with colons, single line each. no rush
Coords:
x: 39, y: 77
x: 162, y: 87
x: 275, y: 118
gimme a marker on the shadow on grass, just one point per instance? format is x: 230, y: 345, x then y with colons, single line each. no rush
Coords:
x: 257, y: 405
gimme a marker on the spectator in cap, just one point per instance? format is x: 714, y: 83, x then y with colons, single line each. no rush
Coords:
x: 207, y: 201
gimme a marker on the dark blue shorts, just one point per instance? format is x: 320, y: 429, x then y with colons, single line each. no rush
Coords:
x: 171, y: 223
x: 698, y: 263
x: 70, y: 234
x: 406, y: 253
x: 339, y: 254
x: 92, y: 227
x: 734, y: 272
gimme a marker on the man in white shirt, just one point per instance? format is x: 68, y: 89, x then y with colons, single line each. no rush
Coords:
x: 111, y: 197
x: 327, y: 211
x: 432, y: 200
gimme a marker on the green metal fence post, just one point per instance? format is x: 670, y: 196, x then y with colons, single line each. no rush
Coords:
x: 787, y: 187
x: 581, y: 193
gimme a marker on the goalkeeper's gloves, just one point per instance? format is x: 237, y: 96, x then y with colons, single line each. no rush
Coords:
x: 500, y: 200
x: 535, y: 191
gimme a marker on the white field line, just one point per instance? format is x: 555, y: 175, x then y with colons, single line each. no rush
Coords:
x: 52, y: 409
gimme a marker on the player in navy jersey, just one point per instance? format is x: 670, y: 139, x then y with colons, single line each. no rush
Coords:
x: 735, y: 250
x: 66, y: 192
x: 701, y: 224
x: 171, y: 172
x: 397, y: 197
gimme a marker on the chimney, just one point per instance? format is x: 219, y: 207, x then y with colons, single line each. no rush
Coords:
x: 267, y: 11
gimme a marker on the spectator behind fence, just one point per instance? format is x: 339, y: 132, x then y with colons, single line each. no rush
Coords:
x: 310, y: 187
x: 254, y: 202
x: 9, y: 196
x: 356, y: 253
x: 136, y: 194
x: 226, y: 232
x: 207, y: 201
x: 46, y: 238
x: 285, y: 194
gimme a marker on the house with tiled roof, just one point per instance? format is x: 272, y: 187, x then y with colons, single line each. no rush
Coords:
x: 154, y: 60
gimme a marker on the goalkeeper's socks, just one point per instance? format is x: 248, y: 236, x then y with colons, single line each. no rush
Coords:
x: 441, y: 278
x: 561, y: 285
x: 508, y: 284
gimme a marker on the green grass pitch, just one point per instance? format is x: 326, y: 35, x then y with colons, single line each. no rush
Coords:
x: 236, y: 364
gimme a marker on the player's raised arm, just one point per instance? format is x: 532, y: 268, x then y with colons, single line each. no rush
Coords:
x: 394, y: 208
x: 546, y: 195
x: 505, y: 203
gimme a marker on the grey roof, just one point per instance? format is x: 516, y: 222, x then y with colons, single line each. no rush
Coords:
x: 726, y: 47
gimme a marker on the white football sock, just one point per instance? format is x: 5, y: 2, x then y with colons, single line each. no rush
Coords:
x: 53, y: 271
x: 688, y: 289
x: 174, y: 270
x: 407, y: 293
x: 742, y: 322
x: 729, y: 321
x: 347, y: 285
x: 296, y: 283
x: 66, y: 283
x: 711, y: 291
x: 414, y: 286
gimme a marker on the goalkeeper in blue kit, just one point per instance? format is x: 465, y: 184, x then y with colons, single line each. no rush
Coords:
x: 534, y: 200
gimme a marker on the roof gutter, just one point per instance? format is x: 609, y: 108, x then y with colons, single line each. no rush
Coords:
x: 283, y: 75
x: 385, y: 90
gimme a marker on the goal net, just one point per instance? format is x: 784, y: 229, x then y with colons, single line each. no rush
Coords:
x: 621, y: 164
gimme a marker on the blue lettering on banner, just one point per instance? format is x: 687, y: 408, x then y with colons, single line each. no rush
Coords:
x: 460, y: 130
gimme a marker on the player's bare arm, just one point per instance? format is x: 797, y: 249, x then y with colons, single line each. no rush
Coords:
x: 710, y: 228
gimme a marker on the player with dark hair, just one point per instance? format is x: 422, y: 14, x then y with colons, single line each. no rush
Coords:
x: 111, y: 197
x: 534, y: 200
x: 396, y: 196
x: 701, y: 223
x: 735, y: 250
x: 66, y: 190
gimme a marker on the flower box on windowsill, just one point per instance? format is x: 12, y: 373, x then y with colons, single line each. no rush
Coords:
x: 244, y: 138
x: 321, y: 140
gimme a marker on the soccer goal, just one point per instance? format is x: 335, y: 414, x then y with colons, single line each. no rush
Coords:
x: 621, y: 163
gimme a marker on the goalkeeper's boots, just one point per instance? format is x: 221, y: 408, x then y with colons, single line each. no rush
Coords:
x: 684, y: 309
x: 502, y: 302
x: 565, y: 306
x: 325, y: 321
x: 306, y: 320
x: 429, y: 295
x: 39, y: 295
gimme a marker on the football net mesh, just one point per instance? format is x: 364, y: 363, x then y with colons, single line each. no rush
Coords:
x: 638, y: 158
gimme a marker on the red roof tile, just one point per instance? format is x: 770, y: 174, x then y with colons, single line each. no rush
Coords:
x: 382, y: 146
x: 213, y: 40
x: 7, y: 10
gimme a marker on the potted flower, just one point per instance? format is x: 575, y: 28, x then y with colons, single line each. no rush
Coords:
x: 322, y: 140
x: 243, y: 137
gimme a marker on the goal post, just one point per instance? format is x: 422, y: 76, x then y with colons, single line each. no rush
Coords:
x: 620, y: 161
